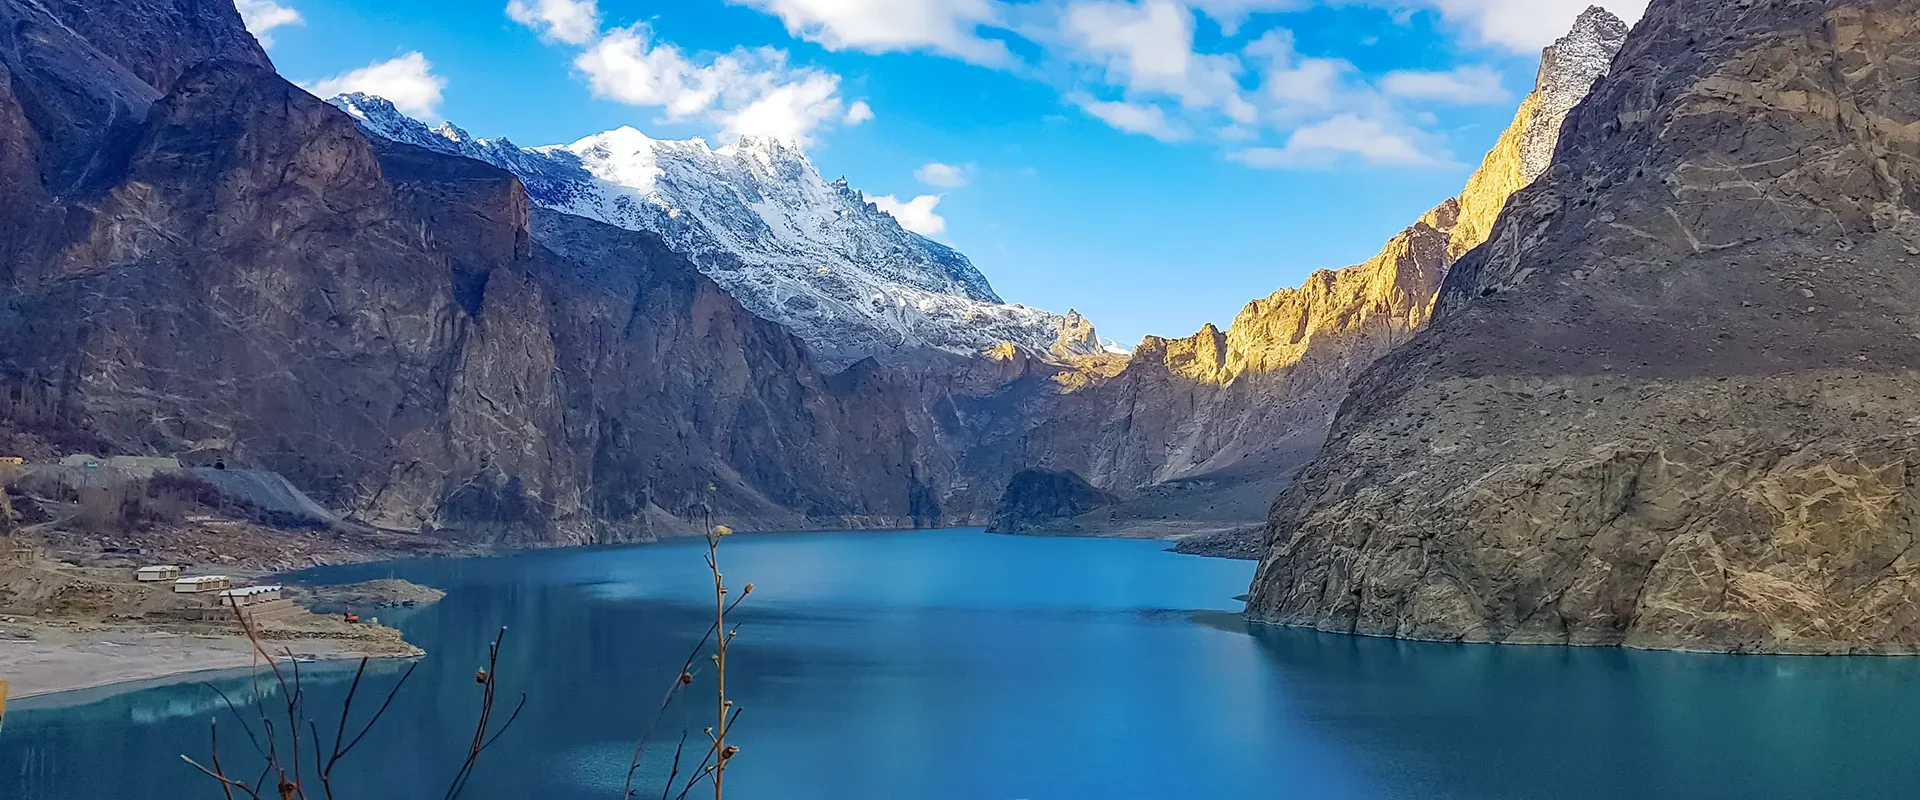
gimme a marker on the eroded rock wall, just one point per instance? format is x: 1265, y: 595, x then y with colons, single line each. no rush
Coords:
x: 1671, y: 402
x: 201, y: 256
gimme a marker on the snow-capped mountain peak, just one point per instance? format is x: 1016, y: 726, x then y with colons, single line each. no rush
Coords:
x: 758, y: 218
x: 772, y: 154
x: 623, y: 156
x: 1568, y: 69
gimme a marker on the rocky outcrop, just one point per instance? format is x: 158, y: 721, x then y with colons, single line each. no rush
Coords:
x: 1035, y: 500
x: 222, y: 263
x: 1248, y: 406
x: 1671, y: 402
x: 381, y: 593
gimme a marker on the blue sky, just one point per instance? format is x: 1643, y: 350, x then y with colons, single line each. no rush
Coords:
x: 1153, y: 163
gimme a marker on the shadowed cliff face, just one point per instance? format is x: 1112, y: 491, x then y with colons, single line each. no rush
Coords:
x: 227, y: 262
x: 1249, y: 406
x: 1671, y: 401
x: 1036, y: 495
x: 86, y: 73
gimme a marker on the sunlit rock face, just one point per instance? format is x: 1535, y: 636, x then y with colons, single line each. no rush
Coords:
x: 1236, y: 412
x: 1671, y: 401
x: 1568, y: 69
x: 198, y: 252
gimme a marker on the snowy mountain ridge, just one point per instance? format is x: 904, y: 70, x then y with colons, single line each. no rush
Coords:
x: 757, y: 217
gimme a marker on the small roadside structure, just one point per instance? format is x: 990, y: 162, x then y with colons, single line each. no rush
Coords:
x: 249, y: 596
x: 81, y: 460
x: 157, y: 573
x: 202, y: 584
x: 144, y: 463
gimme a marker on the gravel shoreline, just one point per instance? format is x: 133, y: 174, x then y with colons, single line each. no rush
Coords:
x: 39, y: 660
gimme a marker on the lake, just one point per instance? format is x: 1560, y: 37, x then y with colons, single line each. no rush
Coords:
x: 958, y: 665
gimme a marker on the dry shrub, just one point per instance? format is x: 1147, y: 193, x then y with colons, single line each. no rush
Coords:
x: 276, y: 733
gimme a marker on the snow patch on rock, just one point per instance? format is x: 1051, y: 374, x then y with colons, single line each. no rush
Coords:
x: 813, y: 255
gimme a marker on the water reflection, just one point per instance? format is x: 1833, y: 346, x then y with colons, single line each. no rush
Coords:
x: 1494, y: 721
x: 961, y: 666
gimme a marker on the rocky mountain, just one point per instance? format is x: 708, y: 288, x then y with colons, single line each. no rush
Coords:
x: 203, y: 257
x: 1672, y: 401
x: 1204, y: 432
x: 757, y: 217
x: 1036, y: 495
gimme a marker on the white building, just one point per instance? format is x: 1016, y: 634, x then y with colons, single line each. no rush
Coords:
x: 249, y: 596
x: 203, y: 584
x: 155, y: 574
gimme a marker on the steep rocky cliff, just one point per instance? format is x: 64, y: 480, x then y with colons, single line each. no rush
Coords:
x: 210, y: 258
x: 1672, y: 401
x: 1207, y: 430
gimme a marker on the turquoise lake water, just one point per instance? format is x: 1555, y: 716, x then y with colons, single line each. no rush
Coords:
x: 957, y: 665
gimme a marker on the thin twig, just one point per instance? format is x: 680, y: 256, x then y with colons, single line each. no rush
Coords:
x: 483, y: 736
x: 674, y: 773
x: 340, y: 751
x: 680, y: 683
x: 243, y: 720
x: 218, y: 773
x: 706, y: 765
x: 289, y: 788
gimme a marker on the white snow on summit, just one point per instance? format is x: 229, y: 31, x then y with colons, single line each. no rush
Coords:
x: 756, y: 216
x: 1568, y: 69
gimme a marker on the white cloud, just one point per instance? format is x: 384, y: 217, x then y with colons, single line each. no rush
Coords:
x: 789, y: 112
x: 1142, y: 56
x: 915, y: 215
x: 262, y: 16
x: 1527, y: 25
x: 747, y: 92
x: 946, y: 176
x: 1231, y: 14
x: 1133, y: 117
x: 570, y: 21
x: 1323, y: 111
x: 407, y: 81
x: 628, y: 67
x: 1312, y: 83
x: 1298, y: 85
x: 1464, y: 85
x: 1326, y: 142
x: 951, y: 27
x: 1237, y: 133
x: 1140, y: 53
x: 1147, y: 47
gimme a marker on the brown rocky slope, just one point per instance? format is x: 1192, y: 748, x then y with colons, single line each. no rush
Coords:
x: 202, y: 256
x: 1222, y: 420
x: 1674, y: 401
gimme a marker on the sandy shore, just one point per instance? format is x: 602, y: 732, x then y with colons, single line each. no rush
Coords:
x: 58, y: 659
